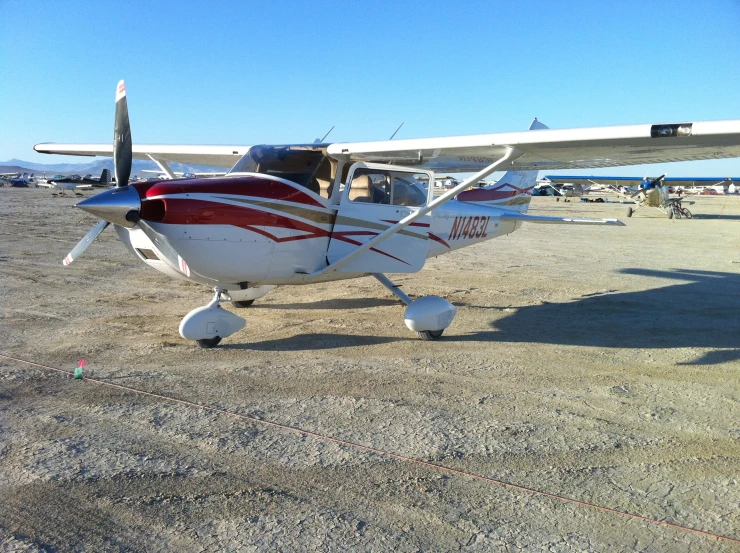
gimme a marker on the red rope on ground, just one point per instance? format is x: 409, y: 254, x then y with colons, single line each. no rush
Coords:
x: 387, y: 454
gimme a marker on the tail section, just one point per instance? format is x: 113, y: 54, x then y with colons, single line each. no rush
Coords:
x: 105, y: 177
x: 512, y: 191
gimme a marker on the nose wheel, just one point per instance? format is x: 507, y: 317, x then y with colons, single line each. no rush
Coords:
x: 209, y: 342
x: 208, y: 325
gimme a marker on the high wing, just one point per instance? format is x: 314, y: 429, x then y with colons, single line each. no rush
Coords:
x: 216, y: 156
x: 580, y: 148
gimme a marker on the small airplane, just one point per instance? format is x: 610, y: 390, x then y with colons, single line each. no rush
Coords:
x: 17, y: 179
x: 76, y: 182
x: 306, y: 213
x: 647, y: 192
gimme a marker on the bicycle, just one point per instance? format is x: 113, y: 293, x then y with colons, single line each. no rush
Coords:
x: 677, y: 210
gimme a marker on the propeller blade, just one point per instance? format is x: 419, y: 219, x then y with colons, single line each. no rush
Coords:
x: 85, y: 242
x: 172, y: 257
x: 122, y: 155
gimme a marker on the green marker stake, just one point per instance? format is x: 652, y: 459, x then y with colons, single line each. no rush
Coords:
x: 78, y: 372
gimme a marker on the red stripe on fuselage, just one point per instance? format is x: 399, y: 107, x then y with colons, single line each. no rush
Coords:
x: 438, y: 239
x: 240, y: 186
x: 179, y: 211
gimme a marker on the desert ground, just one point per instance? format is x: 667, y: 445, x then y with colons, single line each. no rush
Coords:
x: 598, y: 364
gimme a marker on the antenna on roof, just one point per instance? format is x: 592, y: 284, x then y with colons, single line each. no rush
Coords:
x: 320, y: 140
x: 398, y: 129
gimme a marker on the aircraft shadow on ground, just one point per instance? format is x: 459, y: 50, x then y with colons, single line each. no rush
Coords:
x: 314, y: 341
x: 337, y: 303
x: 702, y: 311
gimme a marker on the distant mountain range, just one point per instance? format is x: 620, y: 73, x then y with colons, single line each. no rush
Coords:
x: 95, y: 167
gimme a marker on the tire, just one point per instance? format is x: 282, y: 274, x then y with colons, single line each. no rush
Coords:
x: 630, y: 211
x: 670, y: 213
x: 242, y: 304
x: 430, y: 335
x: 687, y: 214
x: 209, y: 342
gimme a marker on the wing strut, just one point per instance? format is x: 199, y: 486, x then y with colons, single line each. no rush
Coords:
x: 510, y: 155
x: 163, y: 166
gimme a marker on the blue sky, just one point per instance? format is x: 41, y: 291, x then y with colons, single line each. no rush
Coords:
x: 286, y: 71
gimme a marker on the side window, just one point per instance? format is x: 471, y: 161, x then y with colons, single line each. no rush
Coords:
x: 388, y: 187
x: 370, y: 187
x: 409, y: 191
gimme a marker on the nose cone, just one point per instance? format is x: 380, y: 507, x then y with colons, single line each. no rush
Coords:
x: 119, y: 206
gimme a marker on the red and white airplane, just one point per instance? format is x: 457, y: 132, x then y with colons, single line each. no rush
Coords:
x: 305, y: 213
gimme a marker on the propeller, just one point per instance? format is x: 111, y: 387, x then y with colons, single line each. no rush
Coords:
x: 648, y: 185
x: 85, y: 242
x: 122, y: 154
x: 123, y: 200
x: 122, y: 205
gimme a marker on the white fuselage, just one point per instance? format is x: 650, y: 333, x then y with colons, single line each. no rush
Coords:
x: 247, y: 230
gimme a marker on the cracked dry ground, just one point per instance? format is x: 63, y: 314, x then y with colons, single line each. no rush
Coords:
x: 600, y: 364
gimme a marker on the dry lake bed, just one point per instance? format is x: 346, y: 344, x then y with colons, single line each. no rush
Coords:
x: 595, y: 364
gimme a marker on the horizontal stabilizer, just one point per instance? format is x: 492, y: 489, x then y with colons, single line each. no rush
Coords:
x: 513, y: 216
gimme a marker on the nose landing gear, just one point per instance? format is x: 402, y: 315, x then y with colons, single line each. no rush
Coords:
x: 209, y: 324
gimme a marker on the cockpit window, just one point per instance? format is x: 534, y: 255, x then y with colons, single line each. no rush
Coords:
x: 387, y: 187
x: 408, y: 191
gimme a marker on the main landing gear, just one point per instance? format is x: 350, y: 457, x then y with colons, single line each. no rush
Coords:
x: 428, y: 316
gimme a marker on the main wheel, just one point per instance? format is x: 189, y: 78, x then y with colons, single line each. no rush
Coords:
x: 429, y: 335
x: 670, y: 213
x: 630, y: 211
x: 209, y: 342
x: 241, y: 304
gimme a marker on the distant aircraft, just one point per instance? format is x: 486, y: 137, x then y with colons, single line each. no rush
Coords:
x: 645, y: 192
x: 17, y: 179
x: 76, y: 182
x: 300, y: 214
x: 545, y: 187
x: 720, y: 184
x: 103, y: 180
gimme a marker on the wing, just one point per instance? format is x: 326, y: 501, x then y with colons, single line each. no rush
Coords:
x: 580, y: 148
x: 216, y: 156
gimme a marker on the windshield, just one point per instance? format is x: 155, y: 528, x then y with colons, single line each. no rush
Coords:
x: 294, y: 163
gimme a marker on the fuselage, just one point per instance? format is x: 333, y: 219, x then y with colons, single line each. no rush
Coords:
x: 249, y: 229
